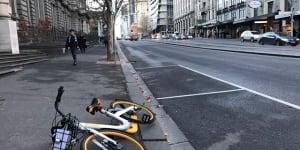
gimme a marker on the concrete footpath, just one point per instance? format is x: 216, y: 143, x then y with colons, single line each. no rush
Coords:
x: 27, y: 99
x: 230, y: 45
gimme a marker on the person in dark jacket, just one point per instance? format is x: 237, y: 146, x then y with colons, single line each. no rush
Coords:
x: 105, y: 40
x: 82, y: 43
x: 72, y: 43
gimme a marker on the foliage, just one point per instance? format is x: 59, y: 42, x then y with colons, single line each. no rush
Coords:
x: 103, y: 11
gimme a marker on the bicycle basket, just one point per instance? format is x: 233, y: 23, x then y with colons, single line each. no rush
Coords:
x: 62, y: 139
x: 64, y: 132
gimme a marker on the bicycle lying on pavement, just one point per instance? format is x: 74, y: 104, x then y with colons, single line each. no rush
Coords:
x: 66, y: 128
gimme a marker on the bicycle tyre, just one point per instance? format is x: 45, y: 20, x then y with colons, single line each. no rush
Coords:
x: 117, y: 135
x: 144, y: 114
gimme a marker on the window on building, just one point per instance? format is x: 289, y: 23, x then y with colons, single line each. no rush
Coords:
x: 287, y: 5
x: 226, y: 16
x: 220, y: 18
x: 233, y: 2
x: 220, y: 4
x: 255, y: 12
x: 226, y: 3
x: 270, y: 7
x: 242, y: 13
x: 233, y: 15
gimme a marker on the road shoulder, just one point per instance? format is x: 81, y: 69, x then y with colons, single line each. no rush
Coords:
x: 163, y: 133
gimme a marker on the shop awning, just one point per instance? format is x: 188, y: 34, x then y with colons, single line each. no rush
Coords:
x: 208, y: 23
x: 286, y: 14
x: 257, y: 18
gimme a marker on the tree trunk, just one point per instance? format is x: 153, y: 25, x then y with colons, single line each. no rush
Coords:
x: 110, y: 50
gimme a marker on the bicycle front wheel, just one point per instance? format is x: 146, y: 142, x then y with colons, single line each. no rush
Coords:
x: 144, y: 114
x: 125, y: 141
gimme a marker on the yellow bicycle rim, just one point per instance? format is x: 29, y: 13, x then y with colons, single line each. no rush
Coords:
x: 124, y: 136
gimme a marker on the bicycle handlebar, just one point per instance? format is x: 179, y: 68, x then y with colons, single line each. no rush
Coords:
x: 58, y: 99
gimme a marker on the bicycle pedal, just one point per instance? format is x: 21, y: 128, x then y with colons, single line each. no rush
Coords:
x: 146, y: 118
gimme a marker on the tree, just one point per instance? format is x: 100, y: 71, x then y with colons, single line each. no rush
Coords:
x: 144, y: 26
x: 103, y: 9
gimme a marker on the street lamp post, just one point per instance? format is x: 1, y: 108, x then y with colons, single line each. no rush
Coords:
x: 292, y: 17
x: 292, y: 21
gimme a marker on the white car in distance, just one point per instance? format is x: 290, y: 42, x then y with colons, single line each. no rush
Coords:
x: 250, y: 36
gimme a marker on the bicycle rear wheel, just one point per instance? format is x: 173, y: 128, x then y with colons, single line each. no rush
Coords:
x: 125, y: 141
x: 144, y: 114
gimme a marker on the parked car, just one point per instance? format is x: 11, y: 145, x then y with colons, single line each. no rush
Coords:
x: 190, y: 36
x: 119, y: 38
x: 183, y: 37
x: 127, y: 37
x: 278, y: 38
x: 134, y: 37
x: 250, y: 36
x: 175, y: 36
x: 165, y: 36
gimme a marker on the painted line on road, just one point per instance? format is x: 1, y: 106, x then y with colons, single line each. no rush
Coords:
x: 200, y: 94
x: 156, y: 67
x: 246, y: 89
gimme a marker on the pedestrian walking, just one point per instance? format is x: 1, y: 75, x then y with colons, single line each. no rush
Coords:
x: 294, y: 32
x: 72, y: 44
x: 105, y: 40
x: 82, y: 43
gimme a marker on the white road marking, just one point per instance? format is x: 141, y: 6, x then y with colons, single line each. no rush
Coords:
x: 199, y: 94
x: 244, y: 88
x: 157, y: 67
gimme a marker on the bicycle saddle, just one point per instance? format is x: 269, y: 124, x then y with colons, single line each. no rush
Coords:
x: 96, y: 105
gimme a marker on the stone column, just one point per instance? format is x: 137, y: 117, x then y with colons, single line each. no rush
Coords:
x: 8, y: 31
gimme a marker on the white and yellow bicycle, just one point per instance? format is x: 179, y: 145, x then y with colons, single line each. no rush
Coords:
x: 67, y: 131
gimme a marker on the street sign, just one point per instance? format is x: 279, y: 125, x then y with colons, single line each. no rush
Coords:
x: 254, y: 4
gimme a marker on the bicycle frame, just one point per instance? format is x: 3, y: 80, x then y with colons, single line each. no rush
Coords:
x: 125, y: 124
x: 94, y: 128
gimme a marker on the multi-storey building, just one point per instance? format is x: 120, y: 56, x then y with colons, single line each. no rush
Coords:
x: 132, y: 11
x: 234, y: 16
x: 205, y: 16
x: 184, y: 16
x: 161, y: 15
x: 142, y: 16
x: 61, y: 15
x: 153, y: 13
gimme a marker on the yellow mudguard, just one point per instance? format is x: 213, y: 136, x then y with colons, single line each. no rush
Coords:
x: 134, y: 126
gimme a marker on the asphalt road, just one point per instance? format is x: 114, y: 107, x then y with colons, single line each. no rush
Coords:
x: 223, y: 100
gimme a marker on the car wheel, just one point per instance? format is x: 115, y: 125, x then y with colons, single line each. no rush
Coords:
x: 261, y: 42
x: 252, y: 39
x: 242, y: 39
x: 277, y: 43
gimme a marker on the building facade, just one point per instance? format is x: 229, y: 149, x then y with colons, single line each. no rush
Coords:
x: 184, y: 16
x: 142, y: 17
x: 57, y: 16
x: 153, y: 13
x: 205, y: 17
x: 161, y: 15
x: 229, y: 18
